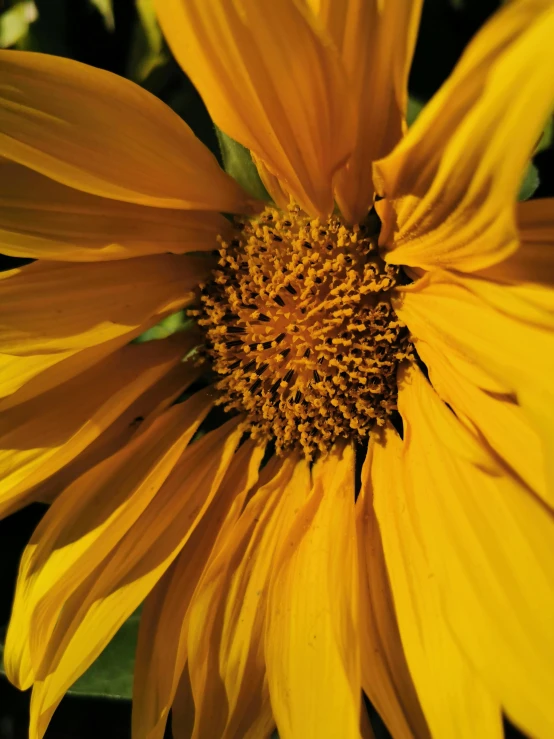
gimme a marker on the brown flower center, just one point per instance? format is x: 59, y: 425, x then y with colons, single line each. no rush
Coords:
x: 300, y: 327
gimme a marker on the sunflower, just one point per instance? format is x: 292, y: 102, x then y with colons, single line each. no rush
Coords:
x: 401, y: 354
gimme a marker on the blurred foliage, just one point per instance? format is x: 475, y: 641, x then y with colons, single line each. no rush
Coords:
x: 123, y: 36
x: 15, y: 22
x: 105, y: 7
x: 148, y: 51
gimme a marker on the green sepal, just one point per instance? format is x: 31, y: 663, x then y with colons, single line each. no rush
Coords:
x: 111, y: 674
x: 547, y: 136
x: 170, y: 325
x: 531, y: 180
x: 237, y: 161
x: 529, y: 183
x: 415, y: 106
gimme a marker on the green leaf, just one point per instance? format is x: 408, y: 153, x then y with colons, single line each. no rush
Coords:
x: 237, y: 161
x: 530, y: 182
x: 15, y: 22
x: 111, y: 675
x: 105, y: 8
x: 170, y: 325
x: 415, y: 106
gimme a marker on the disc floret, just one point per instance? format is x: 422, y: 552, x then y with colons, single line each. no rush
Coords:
x: 300, y: 328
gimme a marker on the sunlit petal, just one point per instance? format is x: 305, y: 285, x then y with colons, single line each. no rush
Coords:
x: 451, y: 184
x: 162, y: 643
x: 454, y: 699
x: 104, y: 600
x: 376, y: 41
x: 311, y: 645
x: 266, y: 76
x: 100, y: 133
x: 41, y: 219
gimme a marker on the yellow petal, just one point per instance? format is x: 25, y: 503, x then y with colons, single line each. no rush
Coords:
x: 490, y: 545
x: 100, y: 133
x: 162, y: 650
x: 182, y: 712
x: 453, y: 697
x: 53, y: 310
x: 33, y: 375
x: 494, y: 418
x: 259, y: 534
x: 84, y: 524
x: 375, y: 41
x: 142, y: 412
x: 504, y: 331
x: 452, y: 182
x: 270, y: 83
x: 93, y: 614
x: 219, y: 646
x: 385, y: 675
x: 533, y: 261
x: 275, y: 188
x: 61, y: 370
x: 41, y: 219
x: 311, y: 644
x: 41, y: 436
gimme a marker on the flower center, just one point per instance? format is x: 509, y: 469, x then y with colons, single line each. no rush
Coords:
x: 300, y: 328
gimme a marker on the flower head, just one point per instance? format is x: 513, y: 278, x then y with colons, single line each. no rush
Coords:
x: 300, y: 325
x: 412, y: 341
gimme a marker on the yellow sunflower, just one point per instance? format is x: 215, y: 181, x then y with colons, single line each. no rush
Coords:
x: 420, y: 343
